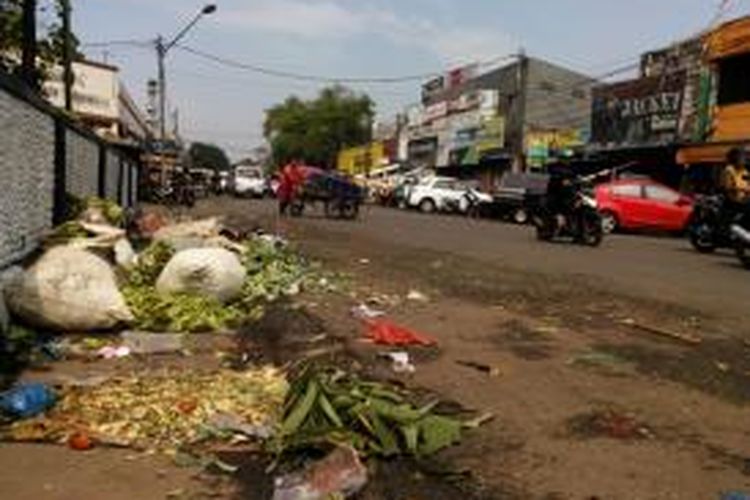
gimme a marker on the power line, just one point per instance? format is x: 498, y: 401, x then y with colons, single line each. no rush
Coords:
x: 120, y: 43
x: 299, y: 76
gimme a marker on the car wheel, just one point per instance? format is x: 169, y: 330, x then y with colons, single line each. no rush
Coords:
x: 520, y: 216
x: 609, y: 222
x: 427, y: 206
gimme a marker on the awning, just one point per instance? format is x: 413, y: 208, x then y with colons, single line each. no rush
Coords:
x: 730, y: 39
x: 706, y: 153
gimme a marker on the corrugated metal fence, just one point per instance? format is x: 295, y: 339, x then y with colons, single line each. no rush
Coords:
x: 43, y: 156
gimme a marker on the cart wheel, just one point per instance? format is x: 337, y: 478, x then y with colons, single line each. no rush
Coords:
x: 297, y: 208
x: 349, y: 209
x: 332, y: 209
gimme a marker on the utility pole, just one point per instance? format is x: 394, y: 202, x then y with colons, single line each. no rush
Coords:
x: 68, y: 77
x: 28, y: 57
x: 161, y: 54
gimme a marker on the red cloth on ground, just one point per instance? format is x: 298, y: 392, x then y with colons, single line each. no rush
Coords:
x: 388, y: 333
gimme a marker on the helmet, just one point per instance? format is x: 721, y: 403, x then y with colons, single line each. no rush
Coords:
x: 736, y: 156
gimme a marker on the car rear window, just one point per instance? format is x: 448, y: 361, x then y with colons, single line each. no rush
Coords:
x: 626, y: 190
x: 661, y: 193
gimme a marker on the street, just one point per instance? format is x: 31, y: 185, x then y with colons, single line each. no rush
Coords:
x: 665, y: 270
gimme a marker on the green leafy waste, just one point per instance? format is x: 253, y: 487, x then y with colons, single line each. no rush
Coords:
x: 326, y: 406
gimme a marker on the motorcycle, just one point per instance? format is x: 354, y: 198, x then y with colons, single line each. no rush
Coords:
x: 741, y: 232
x: 173, y: 194
x: 710, y: 224
x: 582, y: 223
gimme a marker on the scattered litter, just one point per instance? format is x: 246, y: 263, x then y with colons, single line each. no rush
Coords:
x: 609, y: 423
x: 682, y: 337
x: 490, y: 370
x: 723, y: 367
x: 417, y: 296
x: 363, y: 311
x: 112, y: 352
x: 610, y: 362
x: 388, y: 333
x: 340, y: 474
x: 27, y: 400
x: 401, y: 362
x: 68, y: 290
x: 124, y: 253
x: 147, y: 224
x: 209, y: 272
x: 364, y: 262
x: 202, y: 229
x: 159, y: 412
x: 80, y: 441
x: 152, y: 343
x: 235, y: 423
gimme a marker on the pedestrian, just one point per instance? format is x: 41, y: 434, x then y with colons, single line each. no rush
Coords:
x: 290, y: 180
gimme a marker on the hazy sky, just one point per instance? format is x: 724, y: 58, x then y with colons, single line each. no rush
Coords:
x: 363, y: 38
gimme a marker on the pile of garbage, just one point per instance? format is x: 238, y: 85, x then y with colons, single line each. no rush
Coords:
x: 192, y: 276
x: 164, y: 413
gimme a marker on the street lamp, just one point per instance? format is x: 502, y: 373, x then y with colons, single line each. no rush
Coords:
x: 161, y: 52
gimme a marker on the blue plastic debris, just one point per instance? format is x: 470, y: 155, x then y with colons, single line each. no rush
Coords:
x: 27, y: 400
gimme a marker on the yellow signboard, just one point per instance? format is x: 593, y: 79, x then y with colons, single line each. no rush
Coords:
x: 361, y: 159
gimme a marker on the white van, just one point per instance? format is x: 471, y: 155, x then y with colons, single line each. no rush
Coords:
x: 250, y: 181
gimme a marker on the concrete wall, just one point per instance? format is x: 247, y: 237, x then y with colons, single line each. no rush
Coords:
x: 81, y: 165
x: 557, y: 98
x: 43, y: 156
x: 26, y: 176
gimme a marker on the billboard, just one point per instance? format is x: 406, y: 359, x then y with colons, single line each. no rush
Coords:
x: 642, y: 111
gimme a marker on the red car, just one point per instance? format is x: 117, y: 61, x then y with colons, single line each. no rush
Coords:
x: 642, y: 204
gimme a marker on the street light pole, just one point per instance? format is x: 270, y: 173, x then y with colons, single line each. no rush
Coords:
x: 68, y: 77
x: 162, y: 49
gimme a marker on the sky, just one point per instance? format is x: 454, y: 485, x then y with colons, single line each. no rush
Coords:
x: 362, y: 39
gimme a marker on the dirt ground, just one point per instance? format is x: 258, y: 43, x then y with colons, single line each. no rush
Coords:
x: 585, y: 405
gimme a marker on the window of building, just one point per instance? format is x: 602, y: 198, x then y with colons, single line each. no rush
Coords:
x: 734, y: 80
x: 627, y: 190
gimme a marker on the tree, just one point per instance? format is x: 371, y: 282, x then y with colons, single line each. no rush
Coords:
x: 316, y: 130
x: 50, y: 43
x: 209, y: 156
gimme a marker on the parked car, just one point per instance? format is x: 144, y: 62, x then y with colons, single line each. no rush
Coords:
x: 440, y: 193
x: 642, y: 204
x: 250, y: 181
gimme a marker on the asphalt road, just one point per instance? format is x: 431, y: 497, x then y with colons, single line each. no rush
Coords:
x: 664, y: 269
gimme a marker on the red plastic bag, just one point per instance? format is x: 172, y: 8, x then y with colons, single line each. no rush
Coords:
x: 388, y: 333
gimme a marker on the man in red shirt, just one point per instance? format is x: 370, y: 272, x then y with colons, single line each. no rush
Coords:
x: 289, y: 183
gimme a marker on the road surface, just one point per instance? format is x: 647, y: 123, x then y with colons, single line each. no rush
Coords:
x: 662, y: 269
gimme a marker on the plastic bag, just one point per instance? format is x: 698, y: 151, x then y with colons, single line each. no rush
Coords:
x: 68, y: 289
x: 211, y: 272
x: 339, y: 475
x: 27, y: 400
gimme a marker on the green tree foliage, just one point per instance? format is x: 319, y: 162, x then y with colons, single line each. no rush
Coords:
x: 316, y: 130
x: 210, y: 156
x: 50, y: 40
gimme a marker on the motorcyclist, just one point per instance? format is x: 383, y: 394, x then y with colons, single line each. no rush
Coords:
x: 735, y: 180
x: 561, y: 195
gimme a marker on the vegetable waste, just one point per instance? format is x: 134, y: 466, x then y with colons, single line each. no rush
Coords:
x: 272, y: 271
x: 328, y: 407
x: 163, y: 412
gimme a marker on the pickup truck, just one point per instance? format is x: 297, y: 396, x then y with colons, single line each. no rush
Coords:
x: 511, y: 197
